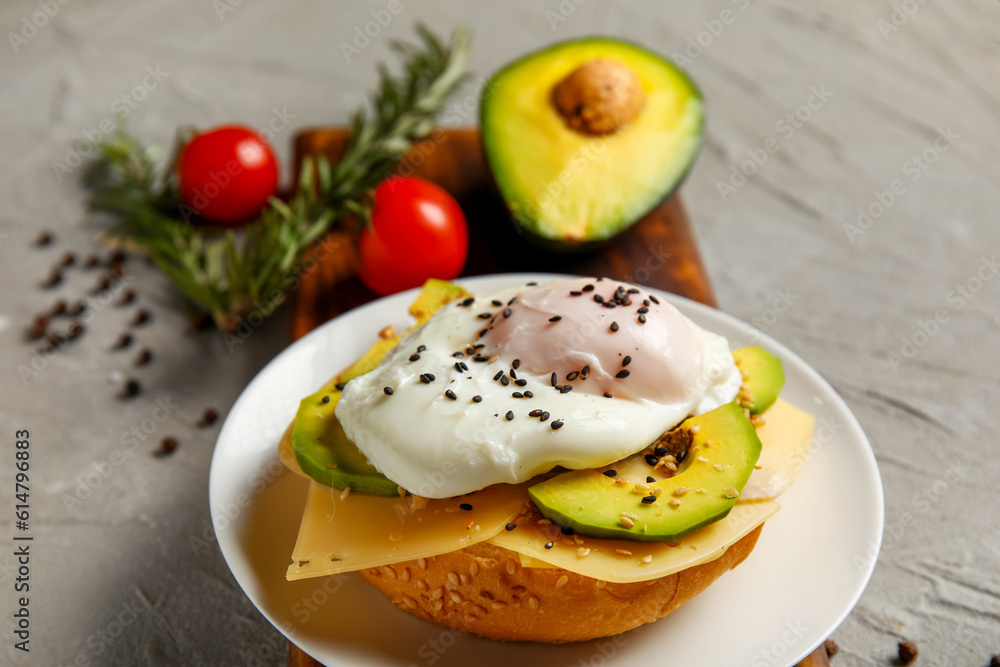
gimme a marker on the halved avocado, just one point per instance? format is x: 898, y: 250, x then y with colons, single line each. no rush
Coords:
x: 723, y: 450
x: 587, y: 136
x: 765, y: 376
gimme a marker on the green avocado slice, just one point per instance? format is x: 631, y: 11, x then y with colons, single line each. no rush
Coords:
x: 765, y: 376
x: 723, y: 450
x: 326, y: 454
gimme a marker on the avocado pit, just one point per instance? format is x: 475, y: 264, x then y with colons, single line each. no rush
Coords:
x: 599, y: 97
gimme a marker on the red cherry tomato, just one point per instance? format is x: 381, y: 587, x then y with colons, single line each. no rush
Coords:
x: 417, y: 232
x: 227, y: 174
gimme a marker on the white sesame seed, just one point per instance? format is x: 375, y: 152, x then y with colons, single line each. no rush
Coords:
x: 474, y: 568
x: 455, y: 597
x: 422, y: 563
x: 582, y: 552
x: 680, y: 491
x: 453, y: 579
x: 396, y: 537
x: 627, y: 522
x: 346, y: 492
x: 675, y: 503
x: 647, y: 559
x: 731, y: 492
x: 510, y: 567
x: 533, y: 602
x: 623, y: 552
x: 562, y: 581
x: 600, y: 584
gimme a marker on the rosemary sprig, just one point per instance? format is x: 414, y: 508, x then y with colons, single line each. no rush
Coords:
x: 224, y: 273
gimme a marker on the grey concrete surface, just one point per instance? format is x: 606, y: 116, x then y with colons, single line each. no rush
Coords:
x: 897, y: 105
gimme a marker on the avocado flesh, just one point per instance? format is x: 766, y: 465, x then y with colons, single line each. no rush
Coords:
x: 569, y: 190
x: 592, y: 504
x: 765, y: 376
x: 321, y: 447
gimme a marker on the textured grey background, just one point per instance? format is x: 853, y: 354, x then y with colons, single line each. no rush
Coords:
x: 849, y: 300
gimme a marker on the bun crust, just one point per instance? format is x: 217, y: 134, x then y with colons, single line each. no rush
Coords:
x: 483, y: 590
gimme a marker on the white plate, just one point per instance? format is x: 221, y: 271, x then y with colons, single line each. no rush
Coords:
x: 810, y: 566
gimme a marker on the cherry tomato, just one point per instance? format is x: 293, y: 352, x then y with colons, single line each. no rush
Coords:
x: 417, y: 232
x: 227, y: 174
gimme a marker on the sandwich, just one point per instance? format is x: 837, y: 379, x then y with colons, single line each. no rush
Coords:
x: 550, y: 463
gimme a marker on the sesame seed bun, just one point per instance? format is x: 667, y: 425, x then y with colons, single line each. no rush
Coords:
x: 483, y: 590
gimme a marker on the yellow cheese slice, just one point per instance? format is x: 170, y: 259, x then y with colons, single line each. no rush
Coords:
x: 354, y: 532
x: 785, y: 436
x: 622, y: 561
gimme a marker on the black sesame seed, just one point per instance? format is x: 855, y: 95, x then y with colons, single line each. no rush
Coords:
x: 470, y: 350
x: 643, y: 310
x: 681, y: 455
x: 421, y: 348
x: 484, y: 316
x: 480, y: 358
x: 633, y: 290
x: 557, y: 424
x: 466, y: 506
x: 468, y: 302
x: 387, y: 391
x: 566, y: 530
x: 483, y: 333
x: 609, y: 304
x: 477, y: 399
x: 509, y: 415
x: 575, y: 293
x: 588, y: 288
x: 622, y: 374
x: 460, y: 366
x: 498, y: 376
x: 585, y: 372
x: 555, y: 318
x: 642, y: 319
x: 610, y: 473
x: 457, y: 355
x: 515, y: 364
x: 528, y: 394
x: 535, y: 413
x: 340, y: 386
x: 497, y: 302
x: 414, y: 357
x: 648, y: 500
x: 450, y: 394
x: 521, y: 382
x: 512, y: 300
x: 654, y: 299
x: 598, y: 298
x: 517, y: 394
x: 513, y: 375
x: 626, y: 361
x: 510, y: 526
x: 572, y: 376
x: 607, y: 394
x: 645, y: 302
x: 549, y: 545
x: 614, y: 326
x: 504, y: 380
x: 661, y: 451
x: 651, y: 460
x: 650, y: 479
x: 326, y: 399
x: 531, y: 284
x: 566, y: 388
x: 544, y: 416
x: 554, y: 379
x: 427, y: 378
x: 506, y: 313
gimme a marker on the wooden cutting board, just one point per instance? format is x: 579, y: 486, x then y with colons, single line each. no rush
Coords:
x: 658, y: 251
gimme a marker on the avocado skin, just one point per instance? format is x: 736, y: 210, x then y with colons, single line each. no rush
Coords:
x: 765, y: 376
x: 592, y: 504
x: 525, y: 215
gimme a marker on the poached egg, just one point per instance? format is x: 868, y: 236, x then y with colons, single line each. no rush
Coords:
x: 502, y: 387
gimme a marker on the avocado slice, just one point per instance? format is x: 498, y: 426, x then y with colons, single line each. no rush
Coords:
x: 587, y: 136
x: 764, y: 376
x: 321, y: 447
x: 723, y: 450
